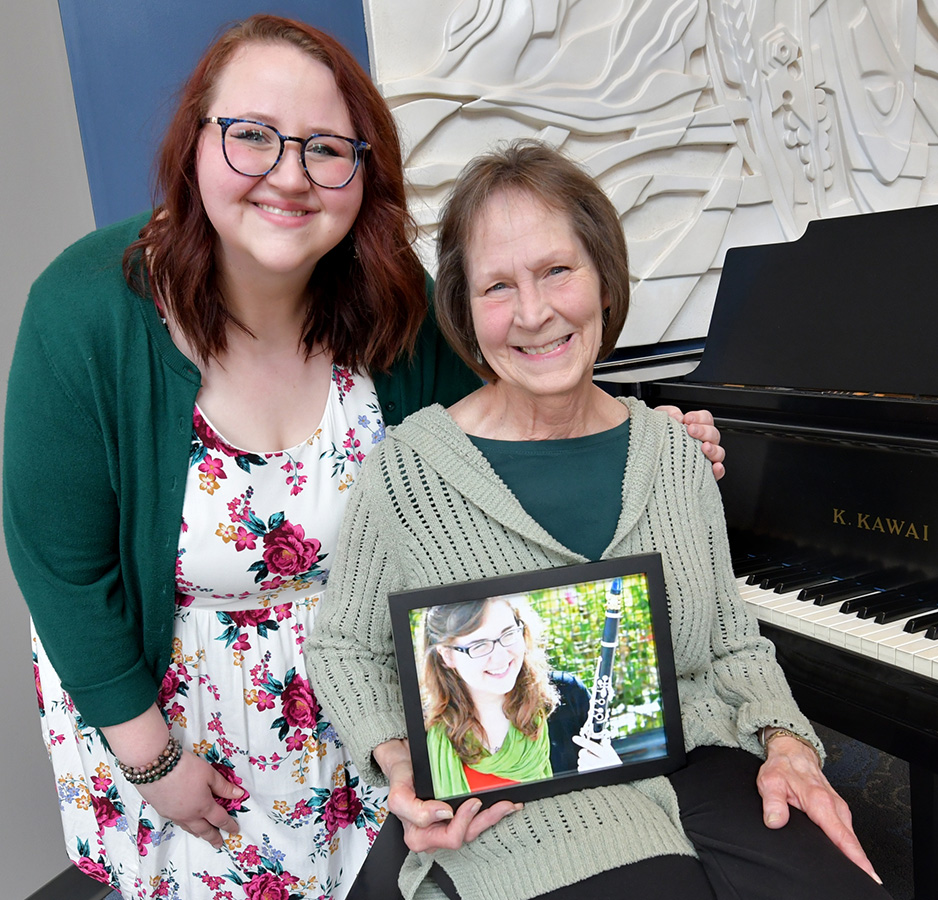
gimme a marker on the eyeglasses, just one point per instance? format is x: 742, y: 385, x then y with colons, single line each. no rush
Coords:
x: 478, y: 649
x: 254, y: 149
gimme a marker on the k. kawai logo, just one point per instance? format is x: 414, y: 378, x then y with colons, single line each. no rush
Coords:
x: 901, y: 528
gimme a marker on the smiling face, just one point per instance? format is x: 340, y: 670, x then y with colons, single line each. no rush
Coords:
x: 279, y: 223
x: 494, y: 675
x: 536, y: 298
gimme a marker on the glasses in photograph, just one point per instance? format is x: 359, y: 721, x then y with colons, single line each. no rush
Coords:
x: 254, y: 149
x: 478, y: 649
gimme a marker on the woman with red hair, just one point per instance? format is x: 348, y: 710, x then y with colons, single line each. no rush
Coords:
x: 192, y: 394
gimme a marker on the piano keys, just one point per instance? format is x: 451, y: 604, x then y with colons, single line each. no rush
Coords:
x: 820, y: 369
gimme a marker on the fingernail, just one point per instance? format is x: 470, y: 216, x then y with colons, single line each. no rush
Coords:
x: 444, y: 814
x: 877, y: 879
x: 239, y: 792
x: 519, y: 807
x: 772, y: 818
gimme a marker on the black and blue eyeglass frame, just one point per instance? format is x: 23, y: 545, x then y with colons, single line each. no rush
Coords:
x: 255, y: 148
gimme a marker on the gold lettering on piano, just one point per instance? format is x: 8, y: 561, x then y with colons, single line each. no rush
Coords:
x: 915, y: 531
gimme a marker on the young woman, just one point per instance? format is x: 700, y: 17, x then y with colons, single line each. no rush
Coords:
x: 192, y: 394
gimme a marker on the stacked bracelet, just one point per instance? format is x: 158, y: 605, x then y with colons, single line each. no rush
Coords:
x: 779, y: 732
x: 154, y: 771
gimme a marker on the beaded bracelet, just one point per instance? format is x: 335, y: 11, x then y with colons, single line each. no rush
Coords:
x: 154, y: 771
x: 765, y: 741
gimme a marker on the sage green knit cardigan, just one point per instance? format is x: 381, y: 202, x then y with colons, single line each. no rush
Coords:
x: 428, y: 509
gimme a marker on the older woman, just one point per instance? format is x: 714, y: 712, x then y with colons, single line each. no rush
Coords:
x: 539, y: 468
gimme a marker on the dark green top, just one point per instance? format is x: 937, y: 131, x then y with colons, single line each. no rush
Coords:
x: 571, y: 487
x: 97, y: 437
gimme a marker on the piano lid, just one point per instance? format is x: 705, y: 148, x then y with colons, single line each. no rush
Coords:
x: 850, y: 306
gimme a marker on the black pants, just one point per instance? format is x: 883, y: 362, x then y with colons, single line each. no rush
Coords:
x: 739, y: 858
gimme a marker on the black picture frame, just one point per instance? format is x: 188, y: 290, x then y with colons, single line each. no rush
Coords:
x: 647, y: 737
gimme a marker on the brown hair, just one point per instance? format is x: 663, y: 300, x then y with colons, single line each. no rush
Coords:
x: 366, y: 296
x: 527, y: 705
x: 533, y: 168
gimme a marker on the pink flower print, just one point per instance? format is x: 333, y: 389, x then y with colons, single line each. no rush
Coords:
x: 351, y: 445
x: 266, y: 886
x: 242, y: 643
x: 38, y: 682
x: 95, y: 870
x: 99, y: 783
x: 289, y: 552
x: 283, y: 611
x: 143, y: 838
x: 246, y: 540
x: 301, y: 810
x: 249, y: 856
x: 229, y: 775
x: 342, y: 809
x: 300, y: 707
x: 212, y: 466
x: 296, y: 740
x: 183, y: 600
x: 343, y: 381
x: 273, y: 584
x: 247, y: 618
x: 265, y: 700
x: 105, y: 812
x: 209, y: 438
x: 168, y: 688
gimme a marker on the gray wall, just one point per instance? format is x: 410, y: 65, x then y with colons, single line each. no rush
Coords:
x: 45, y: 205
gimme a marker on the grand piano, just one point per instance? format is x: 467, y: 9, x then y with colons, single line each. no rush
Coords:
x: 821, y: 370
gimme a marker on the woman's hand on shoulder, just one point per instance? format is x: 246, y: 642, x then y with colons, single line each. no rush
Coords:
x: 791, y: 776
x: 699, y: 425
x: 431, y: 824
x: 187, y: 795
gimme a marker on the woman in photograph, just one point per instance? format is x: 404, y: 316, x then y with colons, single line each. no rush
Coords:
x: 495, y: 714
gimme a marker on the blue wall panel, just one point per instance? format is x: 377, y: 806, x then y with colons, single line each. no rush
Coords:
x: 128, y: 58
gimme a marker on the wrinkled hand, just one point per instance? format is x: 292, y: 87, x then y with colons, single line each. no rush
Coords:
x: 699, y: 425
x: 187, y: 796
x: 595, y: 754
x: 431, y: 824
x: 791, y: 776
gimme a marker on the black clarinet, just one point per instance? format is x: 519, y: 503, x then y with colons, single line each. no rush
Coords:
x: 597, y: 727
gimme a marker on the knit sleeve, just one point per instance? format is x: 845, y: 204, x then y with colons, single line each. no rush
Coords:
x: 350, y: 654
x: 746, y: 673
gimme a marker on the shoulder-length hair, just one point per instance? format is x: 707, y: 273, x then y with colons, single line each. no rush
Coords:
x: 448, y: 702
x: 367, y: 296
x: 534, y: 169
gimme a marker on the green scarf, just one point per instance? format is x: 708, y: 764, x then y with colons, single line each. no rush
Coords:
x: 519, y: 759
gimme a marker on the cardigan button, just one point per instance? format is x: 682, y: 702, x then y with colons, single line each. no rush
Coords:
x: 390, y: 405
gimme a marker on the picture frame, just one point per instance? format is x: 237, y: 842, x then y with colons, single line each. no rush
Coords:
x: 571, y: 667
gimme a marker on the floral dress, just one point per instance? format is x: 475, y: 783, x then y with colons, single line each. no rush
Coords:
x: 258, y: 534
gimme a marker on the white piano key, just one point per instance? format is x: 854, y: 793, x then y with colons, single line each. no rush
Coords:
x: 907, y: 654
x: 926, y: 662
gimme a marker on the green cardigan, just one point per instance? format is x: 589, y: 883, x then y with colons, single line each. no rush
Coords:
x: 97, y: 436
x: 426, y: 509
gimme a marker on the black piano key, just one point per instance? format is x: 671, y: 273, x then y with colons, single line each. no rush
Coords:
x: 932, y: 633
x: 921, y: 623
x: 796, y: 582
x: 886, y: 603
x: 905, y: 610
x: 747, y: 565
x: 772, y: 579
x: 858, y: 587
x: 812, y: 593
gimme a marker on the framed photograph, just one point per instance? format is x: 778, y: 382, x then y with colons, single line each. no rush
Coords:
x: 533, y: 684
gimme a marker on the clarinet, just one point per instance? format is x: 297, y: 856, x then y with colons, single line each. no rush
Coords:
x: 597, y: 727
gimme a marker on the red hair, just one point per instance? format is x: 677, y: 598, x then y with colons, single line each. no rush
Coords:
x: 366, y: 295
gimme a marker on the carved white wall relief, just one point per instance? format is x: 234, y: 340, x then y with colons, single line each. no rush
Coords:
x: 710, y: 124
